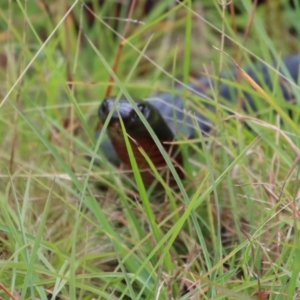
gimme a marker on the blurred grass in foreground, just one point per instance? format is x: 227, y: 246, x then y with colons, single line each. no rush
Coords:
x: 233, y: 235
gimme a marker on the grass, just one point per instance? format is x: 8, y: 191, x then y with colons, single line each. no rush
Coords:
x: 80, y: 229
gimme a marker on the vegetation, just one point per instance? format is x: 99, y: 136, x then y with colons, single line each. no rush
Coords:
x: 77, y: 229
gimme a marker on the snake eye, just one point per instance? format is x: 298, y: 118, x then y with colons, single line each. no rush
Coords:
x: 142, y: 107
x: 103, y: 109
x: 134, y: 116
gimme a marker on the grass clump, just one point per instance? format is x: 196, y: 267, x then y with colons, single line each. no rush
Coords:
x: 233, y: 234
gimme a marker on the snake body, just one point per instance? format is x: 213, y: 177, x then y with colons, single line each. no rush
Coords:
x: 169, y: 119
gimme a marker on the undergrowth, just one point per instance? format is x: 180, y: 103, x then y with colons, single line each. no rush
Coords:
x: 84, y: 229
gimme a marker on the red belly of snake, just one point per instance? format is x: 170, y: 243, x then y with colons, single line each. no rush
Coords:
x: 150, y: 148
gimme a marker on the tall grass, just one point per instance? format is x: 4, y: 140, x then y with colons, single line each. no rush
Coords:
x: 88, y: 230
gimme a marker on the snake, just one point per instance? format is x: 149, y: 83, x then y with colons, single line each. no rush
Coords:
x: 173, y: 116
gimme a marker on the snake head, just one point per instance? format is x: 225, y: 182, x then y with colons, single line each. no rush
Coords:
x: 123, y: 109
